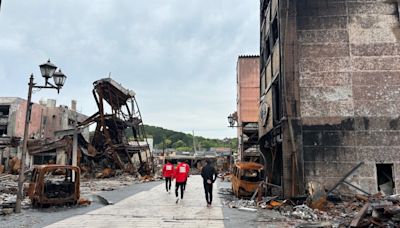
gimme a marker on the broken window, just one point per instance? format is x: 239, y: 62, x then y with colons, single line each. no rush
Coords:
x: 385, y: 178
x: 4, y: 110
x: 265, y: 52
x: 251, y: 175
x: 264, y: 4
x: 47, y: 158
x: 71, y: 122
x: 275, y: 30
x: 277, y: 99
x: 262, y: 84
x: 3, y: 130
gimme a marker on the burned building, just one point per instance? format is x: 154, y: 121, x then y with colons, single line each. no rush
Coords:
x: 119, y: 140
x: 329, y: 97
x: 46, y: 119
x: 12, y: 117
x: 248, y: 89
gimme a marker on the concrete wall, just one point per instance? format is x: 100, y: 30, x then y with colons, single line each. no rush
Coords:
x: 349, y: 78
x: 16, y: 118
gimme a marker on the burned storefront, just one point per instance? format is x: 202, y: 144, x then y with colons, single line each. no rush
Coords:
x: 50, y: 151
x: 330, y: 82
x: 119, y: 140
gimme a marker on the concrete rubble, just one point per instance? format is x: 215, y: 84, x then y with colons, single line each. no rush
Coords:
x: 338, y: 211
x: 8, y: 194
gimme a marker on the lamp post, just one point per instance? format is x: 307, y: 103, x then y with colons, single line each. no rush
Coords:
x: 232, y: 119
x: 47, y: 70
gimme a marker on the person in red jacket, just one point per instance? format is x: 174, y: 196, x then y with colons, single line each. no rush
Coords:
x: 180, y: 175
x: 185, y: 163
x: 168, y: 172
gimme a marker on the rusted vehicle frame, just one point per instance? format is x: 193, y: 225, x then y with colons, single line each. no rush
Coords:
x: 37, y: 187
x: 245, y: 188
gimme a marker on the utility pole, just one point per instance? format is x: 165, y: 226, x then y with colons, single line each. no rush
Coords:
x: 194, y: 142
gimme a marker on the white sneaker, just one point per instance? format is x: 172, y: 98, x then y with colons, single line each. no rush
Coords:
x: 169, y: 192
x: 177, y: 200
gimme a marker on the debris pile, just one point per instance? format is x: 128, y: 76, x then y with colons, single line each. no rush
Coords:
x: 8, y: 194
x: 89, y: 185
x: 8, y: 184
x: 226, y: 176
x: 378, y: 210
x: 242, y: 204
x: 326, y: 210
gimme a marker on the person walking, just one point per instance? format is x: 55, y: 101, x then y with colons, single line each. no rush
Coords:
x: 168, y: 172
x: 185, y: 163
x: 209, y: 176
x: 180, y: 175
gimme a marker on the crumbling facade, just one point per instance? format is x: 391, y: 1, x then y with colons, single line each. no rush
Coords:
x: 12, y: 117
x: 46, y: 120
x: 330, y: 97
x: 248, y: 90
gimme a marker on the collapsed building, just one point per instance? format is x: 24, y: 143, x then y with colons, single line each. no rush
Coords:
x: 119, y: 139
x: 329, y: 95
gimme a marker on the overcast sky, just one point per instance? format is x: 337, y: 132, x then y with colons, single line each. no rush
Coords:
x: 179, y: 56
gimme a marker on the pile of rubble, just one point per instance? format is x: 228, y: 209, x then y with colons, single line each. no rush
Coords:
x: 333, y: 211
x: 361, y: 211
x: 226, y: 176
x: 8, y: 194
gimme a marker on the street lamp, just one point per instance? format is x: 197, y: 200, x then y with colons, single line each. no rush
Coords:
x: 48, y: 70
x: 232, y: 118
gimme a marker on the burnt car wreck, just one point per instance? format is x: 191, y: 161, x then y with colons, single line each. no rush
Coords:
x: 54, y: 185
x: 119, y: 140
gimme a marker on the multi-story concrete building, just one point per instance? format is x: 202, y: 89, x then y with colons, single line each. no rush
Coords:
x: 330, y: 91
x: 46, y: 119
x: 248, y: 90
x: 12, y: 117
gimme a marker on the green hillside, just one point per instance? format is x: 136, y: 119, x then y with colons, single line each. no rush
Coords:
x: 164, y: 138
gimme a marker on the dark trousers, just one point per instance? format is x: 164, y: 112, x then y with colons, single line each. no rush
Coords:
x: 177, y: 185
x: 184, y: 185
x: 208, y: 188
x: 168, y: 183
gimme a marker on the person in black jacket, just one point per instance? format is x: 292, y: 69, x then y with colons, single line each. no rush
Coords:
x: 209, y: 176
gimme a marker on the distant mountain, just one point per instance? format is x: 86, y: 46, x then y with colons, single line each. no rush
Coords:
x: 164, y: 138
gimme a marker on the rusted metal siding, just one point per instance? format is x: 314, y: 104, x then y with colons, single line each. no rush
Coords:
x: 248, y: 79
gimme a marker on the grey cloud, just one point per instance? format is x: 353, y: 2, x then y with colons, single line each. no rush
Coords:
x: 178, y: 55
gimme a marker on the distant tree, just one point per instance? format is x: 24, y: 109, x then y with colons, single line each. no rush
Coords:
x: 185, y: 148
x: 178, y: 144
